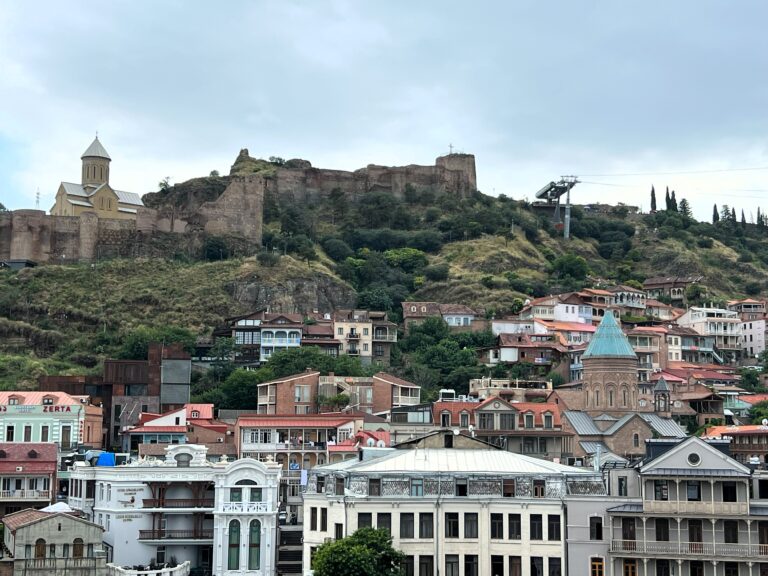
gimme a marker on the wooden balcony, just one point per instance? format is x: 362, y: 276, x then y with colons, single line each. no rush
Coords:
x: 25, y: 495
x: 704, y: 507
x: 178, y: 503
x: 689, y: 549
x: 204, y: 534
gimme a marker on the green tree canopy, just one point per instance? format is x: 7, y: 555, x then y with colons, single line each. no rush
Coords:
x: 570, y: 265
x: 759, y: 412
x: 135, y: 345
x: 367, y: 552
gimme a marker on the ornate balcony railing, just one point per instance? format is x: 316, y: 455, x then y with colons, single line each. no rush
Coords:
x: 204, y: 534
x: 178, y: 503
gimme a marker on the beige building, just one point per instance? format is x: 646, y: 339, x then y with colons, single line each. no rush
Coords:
x: 94, y: 193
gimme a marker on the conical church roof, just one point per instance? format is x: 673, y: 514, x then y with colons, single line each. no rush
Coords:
x: 661, y: 385
x: 95, y: 150
x: 609, y: 341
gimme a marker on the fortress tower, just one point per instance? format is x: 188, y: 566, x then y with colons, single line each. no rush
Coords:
x: 95, y: 165
x: 610, y: 371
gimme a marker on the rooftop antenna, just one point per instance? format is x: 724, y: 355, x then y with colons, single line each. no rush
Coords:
x: 450, y: 149
x: 37, y: 199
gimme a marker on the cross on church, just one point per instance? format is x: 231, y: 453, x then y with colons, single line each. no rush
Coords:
x: 450, y: 148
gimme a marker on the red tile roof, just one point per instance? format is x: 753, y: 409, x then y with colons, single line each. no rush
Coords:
x: 205, y: 410
x: 360, y: 440
x: 454, y: 408
x: 158, y: 430
x: 29, y: 516
x: 36, y: 398
x: 568, y: 326
x: 17, y: 454
x: 258, y: 421
x: 720, y: 431
x: 394, y: 380
x: 754, y: 398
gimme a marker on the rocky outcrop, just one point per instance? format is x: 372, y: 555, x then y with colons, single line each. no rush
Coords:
x: 294, y: 295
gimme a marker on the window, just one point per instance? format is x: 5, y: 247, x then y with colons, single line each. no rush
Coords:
x: 464, y: 420
x: 65, y: 551
x: 695, y: 567
x: 596, y: 528
x: 339, y: 485
x: 13, y: 401
x: 301, y: 393
x: 9, y: 434
x: 731, y: 531
x: 508, y: 487
x: 662, y: 530
x: 506, y: 421
x: 554, y: 567
x: 460, y: 488
x: 27, y: 433
x: 470, y: 565
x: 383, y: 521
x: 364, y: 520
x: 548, y: 421
x: 537, y: 566
x: 660, y: 490
x: 77, y: 548
x: 445, y: 419
x: 515, y: 566
x: 537, y: 529
x: 426, y: 525
x: 529, y: 420
x: 417, y: 487
x: 254, y: 545
x: 320, y: 484
x: 539, y: 488
x: 497, y: 526
x: 662, y: 568
x: 451, y: 524
x: 235, y: 494
x: 233, y: 556
x: 694, y: 491
x: 630, y: 568
x: 406, y: 525
x: 515, y: 526
x: 340, y: 331
x: 407, y: 566
x: 426, y: 566
x: 497, y: 565
x: 622, y: 485
x: 636, y: 440
x: 323, y: 519
x: 313, y: 518
x: 596, y: 567
x: 729, y: 492
x: 451, y: 565
x: 338, y: 531
x: 44, y: 434
x: 553, y: 527
x: 470, y: 525
x: 374, y: 487
x: 731, y: 569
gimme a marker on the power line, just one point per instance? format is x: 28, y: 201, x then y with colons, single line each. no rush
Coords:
x: 672, y: 173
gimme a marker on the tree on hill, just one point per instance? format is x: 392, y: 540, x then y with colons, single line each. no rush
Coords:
x: 667, y: 201
x: 743, y: 219
x: 653, y: 199
x: 367, y: 552
x: 135, y: 345
x: 570, y: 266
x: 715, y: 215
x: 685, y: 208
x: 759, y: 412
x: 3, y: 208
x: 673, y: 202
x: 733, y: 214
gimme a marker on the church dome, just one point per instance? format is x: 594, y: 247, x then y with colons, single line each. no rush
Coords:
x: 95, y: 150
x: 609, y: 341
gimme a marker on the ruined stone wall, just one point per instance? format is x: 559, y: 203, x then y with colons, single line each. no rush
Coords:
x: 239, y: 210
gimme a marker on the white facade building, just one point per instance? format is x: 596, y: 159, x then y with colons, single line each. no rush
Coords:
x: 753, y: 337
x: 221, y: 517
x: 724, y: 325
x: 451, y: 512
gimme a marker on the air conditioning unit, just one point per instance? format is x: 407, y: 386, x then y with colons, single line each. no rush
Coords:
x: 220, y: 440
x: 19, y: 468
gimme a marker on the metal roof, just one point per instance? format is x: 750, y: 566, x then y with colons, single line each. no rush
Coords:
x: 95, y: 150
x: 627, y: 508
x: 704, y: 472
x: 605, y: 418
x: 661, y: 385
x: 128, y: 197
x: 582, y: 423
x: 665, y: 427
x: 435, y: 460
x: 80, y: 203
x: 73, y: 189
x: 609, y: 341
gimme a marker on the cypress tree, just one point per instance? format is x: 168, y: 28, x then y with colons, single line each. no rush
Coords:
x: 743, y: 220
x: 733, y: 214
x: 715, y: 215
x: 667, y: 201
x: 653, y: 199
x: 685, y: 208
x: 673, y: 202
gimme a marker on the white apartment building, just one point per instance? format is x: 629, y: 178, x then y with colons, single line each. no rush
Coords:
x: 450, y: 511
x: 724, y: 325
x: 753, y: 337
x: 221, y: 517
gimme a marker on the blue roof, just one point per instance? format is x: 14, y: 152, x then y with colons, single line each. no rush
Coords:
x: 609, y: 341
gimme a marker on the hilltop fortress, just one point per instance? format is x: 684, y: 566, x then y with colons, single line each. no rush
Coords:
x: 179, y: 218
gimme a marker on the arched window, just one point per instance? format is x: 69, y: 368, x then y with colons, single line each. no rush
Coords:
x: 233, y: 558
x: 597, y: 397
x: 636, y: 440
x: 623, y: 397
x: 77, y: 548
x: 610, y: 397
x: 254, y: 545
x: 40, y: 548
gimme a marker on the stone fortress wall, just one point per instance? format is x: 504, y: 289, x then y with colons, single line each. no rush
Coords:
x: 238, y: 211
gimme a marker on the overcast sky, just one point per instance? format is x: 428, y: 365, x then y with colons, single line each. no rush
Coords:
x: 534, y: 89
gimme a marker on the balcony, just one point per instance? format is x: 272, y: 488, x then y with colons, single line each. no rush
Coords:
x: 60, y: 565
x: 353, y: 352
x: 542, y: 361
x: 353, y: 336
x: 685, y: 507
x: 405, y: 400
x: 180, y: 570
x: 279, y: 446
x: 25, y: 495
x: 384, y: 337
x: 248, y: 507
x: 204, y: 534
x: 280, y: 342
x: 694, y: 549
x: 178, y: 503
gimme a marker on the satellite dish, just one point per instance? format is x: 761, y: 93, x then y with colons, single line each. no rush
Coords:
x: 765, y: 421
x: 370, y: 442
x: 471, y: 427
x: 456, y: 432
x: 381, y: 444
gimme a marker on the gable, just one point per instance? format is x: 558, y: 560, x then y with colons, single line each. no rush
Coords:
x: 709, y: 458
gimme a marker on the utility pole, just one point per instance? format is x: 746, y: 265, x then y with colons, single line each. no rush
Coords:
x: 570, y: 182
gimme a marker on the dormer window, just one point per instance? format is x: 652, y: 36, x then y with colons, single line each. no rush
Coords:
x: 423, y: 308
x: 32, y: 453
x: 13, y: 401
x: 548, y: 421
x: 413, y: 308
x: 3, y: 454
x: 195, y: 414
x: 48, y: 400
x: 529, y: 420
